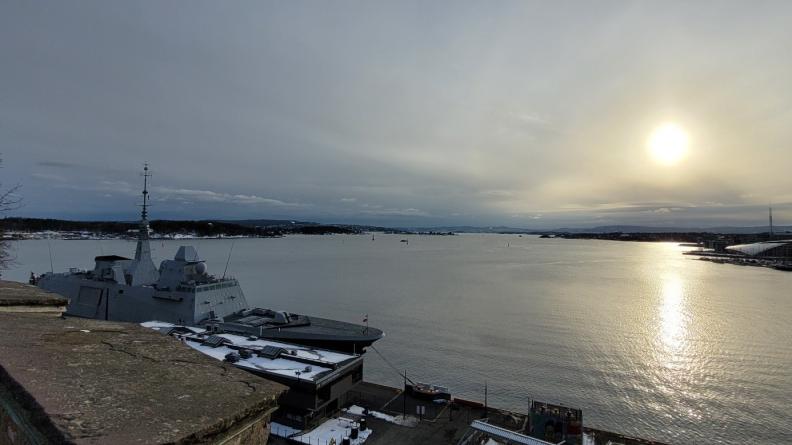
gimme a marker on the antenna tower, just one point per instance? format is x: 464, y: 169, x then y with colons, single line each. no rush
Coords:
x: 146, y: 175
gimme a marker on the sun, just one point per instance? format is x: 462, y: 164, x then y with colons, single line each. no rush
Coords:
x: 668, y: 143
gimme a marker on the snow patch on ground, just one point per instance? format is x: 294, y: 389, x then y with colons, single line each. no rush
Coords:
x: 354, y: 409
x: 282, y: 430
x: 410, y: 421
x: 336, y: 429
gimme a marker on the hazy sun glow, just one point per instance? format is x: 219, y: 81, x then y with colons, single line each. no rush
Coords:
x: 668, y: 144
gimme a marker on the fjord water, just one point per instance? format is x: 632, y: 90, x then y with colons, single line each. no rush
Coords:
x: 647, y: 341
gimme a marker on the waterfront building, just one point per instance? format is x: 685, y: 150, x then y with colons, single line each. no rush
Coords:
x: 319, y: 380
x: 770, y: 250
x: 556, y: 423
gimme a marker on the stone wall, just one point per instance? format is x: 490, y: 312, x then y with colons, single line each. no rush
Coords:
x: 74, y: 380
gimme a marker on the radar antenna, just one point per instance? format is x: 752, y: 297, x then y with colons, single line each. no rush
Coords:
x: 146, y: 175
x: 142, y: 269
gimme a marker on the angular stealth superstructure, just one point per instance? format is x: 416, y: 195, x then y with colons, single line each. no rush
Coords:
x: 182, y: 291
x: 143, y: 270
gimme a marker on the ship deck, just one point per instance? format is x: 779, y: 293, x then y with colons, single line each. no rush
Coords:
x: 287, y: 361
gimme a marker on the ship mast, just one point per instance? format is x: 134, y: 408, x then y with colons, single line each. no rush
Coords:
x: 143, y: 231
x: 144, y: 271
x: 144, y: 212
x: 770, y: 210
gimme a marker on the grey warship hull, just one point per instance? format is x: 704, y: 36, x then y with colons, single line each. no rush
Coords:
x: 181, y: 291
x: 219, y: 303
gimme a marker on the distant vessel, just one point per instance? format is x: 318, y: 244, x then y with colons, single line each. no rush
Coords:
x: 182, y: 291
x: 429, y: 391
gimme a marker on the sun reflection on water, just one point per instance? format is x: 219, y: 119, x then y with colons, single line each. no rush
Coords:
x: 673, y: 314
x: 675, y: 374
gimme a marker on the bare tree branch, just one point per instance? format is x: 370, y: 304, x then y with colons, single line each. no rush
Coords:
x: 9, y: 200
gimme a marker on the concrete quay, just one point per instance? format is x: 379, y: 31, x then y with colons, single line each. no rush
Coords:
x: 80, y: 381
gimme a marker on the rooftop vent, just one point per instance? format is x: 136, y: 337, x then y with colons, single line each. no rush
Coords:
x: 178, y: 330
x: 270, y: 352
x: 215, y: 341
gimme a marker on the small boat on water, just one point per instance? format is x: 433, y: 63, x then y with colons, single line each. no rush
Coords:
x: 429, y: 391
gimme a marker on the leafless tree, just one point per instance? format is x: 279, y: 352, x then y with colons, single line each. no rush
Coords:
x: 9, y: 200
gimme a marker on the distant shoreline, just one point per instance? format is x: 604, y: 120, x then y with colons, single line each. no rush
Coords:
x: 36, y: 228
x: 17, y: 229
x: 70, y: 236
x: 692, y: 239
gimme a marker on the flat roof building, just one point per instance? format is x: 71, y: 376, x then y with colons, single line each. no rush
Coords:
x: 318, y: 379
x: 780, y: 249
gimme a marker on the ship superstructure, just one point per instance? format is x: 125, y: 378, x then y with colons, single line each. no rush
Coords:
x: 182, y: 291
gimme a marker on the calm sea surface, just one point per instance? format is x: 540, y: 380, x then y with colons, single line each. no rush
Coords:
x: 646, y: 341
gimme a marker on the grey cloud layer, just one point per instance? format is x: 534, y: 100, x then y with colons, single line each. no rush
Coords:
x: 404, y: 113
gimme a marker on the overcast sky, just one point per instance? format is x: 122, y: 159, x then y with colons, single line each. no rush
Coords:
x: 526, y: 114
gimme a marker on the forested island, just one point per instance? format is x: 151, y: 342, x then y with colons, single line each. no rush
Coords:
x: 32, y: 228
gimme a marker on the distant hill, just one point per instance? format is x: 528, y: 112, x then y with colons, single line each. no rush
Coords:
x: 650, y: 229
x: 308, y: 226
x: 475, y: 229
x: 606, y: 229
x: 202, y: 228
x: 276, y: 227
x: 269, y: 222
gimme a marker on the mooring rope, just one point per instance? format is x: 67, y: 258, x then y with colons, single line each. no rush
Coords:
x: 401, y: 374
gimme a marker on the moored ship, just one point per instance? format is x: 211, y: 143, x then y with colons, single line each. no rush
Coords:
x: 181, y: 291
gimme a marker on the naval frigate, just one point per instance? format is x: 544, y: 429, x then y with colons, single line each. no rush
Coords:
x: 181, y: 291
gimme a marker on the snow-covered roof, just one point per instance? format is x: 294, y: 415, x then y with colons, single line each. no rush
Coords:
x: 332, y: 429
x: 291, y: 364
x: 757, y: 248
